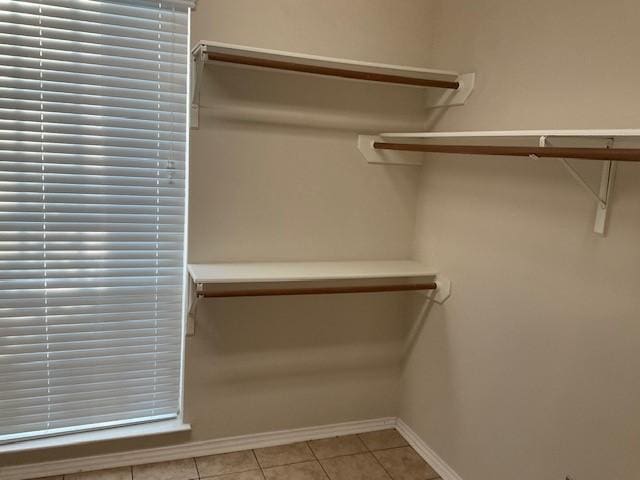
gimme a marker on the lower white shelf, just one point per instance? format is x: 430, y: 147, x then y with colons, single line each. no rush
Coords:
x: 270, y: 272
x: 223, y: 280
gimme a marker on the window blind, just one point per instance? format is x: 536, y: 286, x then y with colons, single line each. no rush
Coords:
x: 92, y: 213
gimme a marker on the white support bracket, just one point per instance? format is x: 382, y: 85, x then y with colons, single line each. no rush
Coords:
x: 197, y: 70
x: 604, y: 194
x: 195, y: 293
x: 607, y: 182
x: 385, y: 157
x: 436, y: 98
x: 441, y: 293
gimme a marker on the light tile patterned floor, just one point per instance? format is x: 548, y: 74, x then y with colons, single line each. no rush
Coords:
x: 382, y: 455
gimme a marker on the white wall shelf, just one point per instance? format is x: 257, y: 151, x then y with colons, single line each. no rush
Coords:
x: 457, y: 87
x: 612, y: 145
x: 305, y: 278
x: 604, y: 133
x: 273, y: 272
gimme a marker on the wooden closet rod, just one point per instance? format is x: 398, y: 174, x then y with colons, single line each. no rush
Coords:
x: 331, y: 71
x: 321, y: 290
x: 621, y: 154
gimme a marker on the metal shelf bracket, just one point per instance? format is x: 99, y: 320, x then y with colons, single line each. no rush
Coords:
x: 195, y: 294
x: 197, y: 69
x: 437, y: 296
x: 605, y: 192
x: 443, y: 292
x: 437, y: 98
x: 385, y: 157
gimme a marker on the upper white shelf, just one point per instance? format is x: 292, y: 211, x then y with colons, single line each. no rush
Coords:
x: 270, y: 272
x: 208, y: 51
x: 453, y: 88
x: 607, y: 133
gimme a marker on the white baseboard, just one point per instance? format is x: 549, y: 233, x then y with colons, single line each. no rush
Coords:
x: 192, y: 449
x: 432, y: 458
x: 224, y: 445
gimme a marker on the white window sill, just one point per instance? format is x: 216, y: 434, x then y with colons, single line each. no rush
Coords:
x: 154, y: 428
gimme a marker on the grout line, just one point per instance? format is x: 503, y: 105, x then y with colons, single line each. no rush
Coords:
x: 253, y: 451
x: 364, y: 443
x: 290, y: 463
x: 344, y: 455
x: 130, y: 471
x: 318, y: 460
x: 206, y: 477
x: 389, y: 448
x: 381, y: 465
x: 437, y: 477
x: 394, y: 448
x: 287, y: 464
x: 196, y: 464
x: 370, y: 452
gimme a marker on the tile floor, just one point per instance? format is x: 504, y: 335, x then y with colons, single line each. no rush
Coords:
x: 382, y: 455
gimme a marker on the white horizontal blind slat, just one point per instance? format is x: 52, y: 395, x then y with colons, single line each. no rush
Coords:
x: 92, y: 205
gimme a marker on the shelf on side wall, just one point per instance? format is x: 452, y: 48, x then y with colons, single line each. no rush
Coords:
x: 612, y: 145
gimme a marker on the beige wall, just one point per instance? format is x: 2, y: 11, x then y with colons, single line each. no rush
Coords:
x: 275, y: 175
x: 530, y: 370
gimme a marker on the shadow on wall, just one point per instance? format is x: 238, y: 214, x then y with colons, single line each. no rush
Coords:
x: 270, y: 97
x: 259, y: 339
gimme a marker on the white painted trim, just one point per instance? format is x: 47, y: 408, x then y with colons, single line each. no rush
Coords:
x: 193, y: 449
x: 207, y: 46
x: 432, y: 458
x: 113, y: 433
x: 229, y: 444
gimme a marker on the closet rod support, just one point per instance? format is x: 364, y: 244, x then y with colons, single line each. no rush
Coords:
x: 195, y: 293
x: 620, y: 154
x: 197, y: 70
x: 443, y: 290
x: 318, y: 290
x: 607, y: 179
x: 440, y: 290
x: 583, y: 183
x: 574, y: 173
x: 331, y: 71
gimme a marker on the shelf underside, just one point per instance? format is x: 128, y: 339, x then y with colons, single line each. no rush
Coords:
x: 328, y: 66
